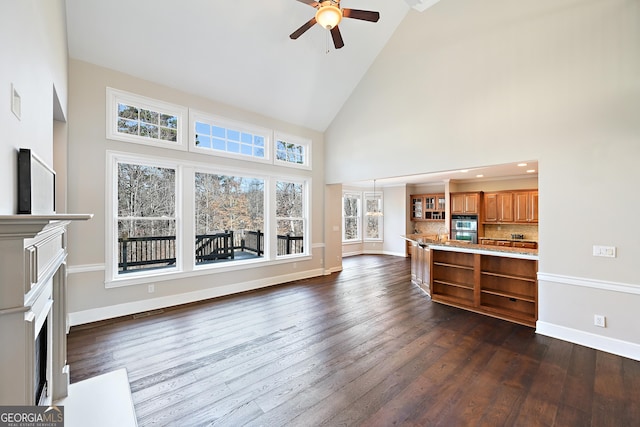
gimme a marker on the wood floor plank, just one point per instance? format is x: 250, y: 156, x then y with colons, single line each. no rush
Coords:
x: 363, y: 347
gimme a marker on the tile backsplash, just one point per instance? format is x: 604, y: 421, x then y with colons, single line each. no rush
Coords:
x: 504, y: 231
x: 431, y: 227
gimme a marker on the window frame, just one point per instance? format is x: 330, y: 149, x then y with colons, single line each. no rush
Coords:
x: 116, y: 96
x: 112, y: 276
x: 370, y: 195
x: 186, y: 227
x: 296, y: 140
x: 306, y: 212
x: 358, y: 217
x: 210, y: 119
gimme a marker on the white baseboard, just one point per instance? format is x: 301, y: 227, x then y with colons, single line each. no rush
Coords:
x: 125, y: 309
x: 599, y: 342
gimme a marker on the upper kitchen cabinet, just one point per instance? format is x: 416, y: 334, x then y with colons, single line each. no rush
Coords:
x: 525, y: 206
x: 427, y: 207
x: 465, y: 203
x: 519, y: 206
x: 498, y: 207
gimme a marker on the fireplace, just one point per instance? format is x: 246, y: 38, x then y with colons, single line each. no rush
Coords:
x: 33, y: 313
x: 40, y: 364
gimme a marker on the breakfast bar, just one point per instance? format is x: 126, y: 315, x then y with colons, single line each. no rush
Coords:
x: 492, y: 280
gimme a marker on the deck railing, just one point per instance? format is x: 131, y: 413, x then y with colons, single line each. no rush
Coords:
x: 137, y: 253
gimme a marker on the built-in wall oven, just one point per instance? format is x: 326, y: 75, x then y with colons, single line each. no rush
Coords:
x: 464, y: 228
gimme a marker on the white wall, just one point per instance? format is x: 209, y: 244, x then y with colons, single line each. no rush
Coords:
x: 469, y: 83
x: 88, y: 298
x: 34, y: 60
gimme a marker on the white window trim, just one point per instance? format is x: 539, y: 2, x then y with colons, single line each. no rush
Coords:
x: 185, y: 224
x: 371, y: 194
x: 293, y: 139
x: 200, y: 116
x: 306, y: 192
x: 112, y: 278
x: 358, y: 238
x: 115, y: 96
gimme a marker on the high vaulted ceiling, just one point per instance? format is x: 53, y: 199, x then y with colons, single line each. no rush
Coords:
x: 237, y: 51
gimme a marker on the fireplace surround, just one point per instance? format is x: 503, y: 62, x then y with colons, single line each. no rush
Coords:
x: 33, y: 299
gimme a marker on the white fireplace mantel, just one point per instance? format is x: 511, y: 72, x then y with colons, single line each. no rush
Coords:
x: 33, y: 288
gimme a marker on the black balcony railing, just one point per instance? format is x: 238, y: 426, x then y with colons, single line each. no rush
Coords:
x: 138, y: 253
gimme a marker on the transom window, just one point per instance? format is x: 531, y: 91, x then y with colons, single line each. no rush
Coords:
x: 134, y: 118
x: 292, y: 151
x: 222, y: 137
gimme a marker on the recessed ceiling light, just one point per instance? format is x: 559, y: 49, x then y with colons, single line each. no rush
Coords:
x: 479, y: 176
x: 522, y: 164
x: 464, y: 170
x: 531, y: 170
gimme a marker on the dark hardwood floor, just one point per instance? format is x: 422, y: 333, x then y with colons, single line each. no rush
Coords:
x: 360, y: 347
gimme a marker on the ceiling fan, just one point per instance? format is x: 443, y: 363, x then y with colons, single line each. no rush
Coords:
x: 329, y: 14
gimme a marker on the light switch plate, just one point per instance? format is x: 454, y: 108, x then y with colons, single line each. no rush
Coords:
x: 604, y: 251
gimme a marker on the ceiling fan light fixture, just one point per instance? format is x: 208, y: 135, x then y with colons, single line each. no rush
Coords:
x: 328, y: 16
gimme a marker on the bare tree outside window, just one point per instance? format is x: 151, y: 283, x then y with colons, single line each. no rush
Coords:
x: 290, y: 217
x: 351, y: 216
x: 229, y: 217
x: 146, y: 217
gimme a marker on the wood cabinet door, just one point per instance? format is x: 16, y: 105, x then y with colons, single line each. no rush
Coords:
x: 491, y: 207
x: 417, y: 207
x: 533, y: 206
x: 521, y: 206
x: 471, y: 203
x: 505, y: 207
x: 457, y: 203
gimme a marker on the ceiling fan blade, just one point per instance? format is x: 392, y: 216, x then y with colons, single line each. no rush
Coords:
x: 363, y: 15
x: 311, y: 3
x: 300, y: 31
x: 337, y: 37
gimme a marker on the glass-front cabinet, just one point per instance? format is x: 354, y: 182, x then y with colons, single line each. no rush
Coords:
x: 428, y: 207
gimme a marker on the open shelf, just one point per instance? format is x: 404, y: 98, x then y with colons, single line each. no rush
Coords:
x: 497, y: 286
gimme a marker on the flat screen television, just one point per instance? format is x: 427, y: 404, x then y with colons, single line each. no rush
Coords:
x: 36, y: 185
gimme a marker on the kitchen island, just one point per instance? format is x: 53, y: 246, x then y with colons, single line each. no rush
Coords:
x: 492, y: 280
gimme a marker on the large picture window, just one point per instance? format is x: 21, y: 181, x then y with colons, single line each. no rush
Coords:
x: 146, y: 217
x: 229, y: 217
x: 178, y: 217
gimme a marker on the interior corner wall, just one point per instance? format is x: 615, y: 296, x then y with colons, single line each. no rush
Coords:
x: 34, y: 60
x: 89, y: 299
x: 469, y: 83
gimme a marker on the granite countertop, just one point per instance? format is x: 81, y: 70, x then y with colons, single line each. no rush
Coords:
x: 456, y: 246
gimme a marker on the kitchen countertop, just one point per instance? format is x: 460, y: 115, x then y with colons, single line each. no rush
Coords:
x: 455, y: 246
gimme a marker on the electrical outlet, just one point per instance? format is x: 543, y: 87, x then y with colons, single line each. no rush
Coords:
x: 599, y: 320
x: 604, y: 251
x: 151, y: 289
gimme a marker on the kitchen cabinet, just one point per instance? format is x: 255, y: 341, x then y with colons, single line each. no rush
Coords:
x: 498, y: 286
x: 427, y: 207
x: 520, y: 206
x: 465, y: 203
x: 420, y: 260
x: 509, y: 243
x: 498, y: 207
x: 525, y: 206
